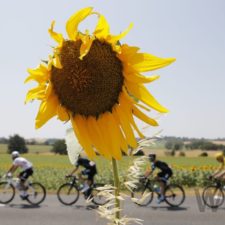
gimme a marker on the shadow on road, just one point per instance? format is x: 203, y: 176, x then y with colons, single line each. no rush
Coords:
x: 84, y: 207
x: 169, y: 208
x: 24, y: 206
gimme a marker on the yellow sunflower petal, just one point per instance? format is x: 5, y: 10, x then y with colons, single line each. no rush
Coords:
x: 56, y: 62
x: 73, y: 22
x: 47, y: 110
x: 39, y: 74
x: 143, y: 117
x: 128, y: 51
x: 96, y: 137
x: 102, y: 29
x: 114, y: 39
x: 141, y: 92
x: 85, y: 46
x: 126, y: 127
x: 138, y: 78
x: 62, y: 113
x: 57, y: 37
x: 36, y: 93
x: 150, y: 62
x: 115, y: 136
x: 123, y: 141
x: 79, y: 125
x: 126, y: 107
x: 107, y: 122
x: 142, y: 62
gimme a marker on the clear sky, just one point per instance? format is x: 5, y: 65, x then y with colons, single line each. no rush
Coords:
x: 192, y: 31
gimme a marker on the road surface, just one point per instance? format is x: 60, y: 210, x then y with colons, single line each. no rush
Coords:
x: 51, y: 212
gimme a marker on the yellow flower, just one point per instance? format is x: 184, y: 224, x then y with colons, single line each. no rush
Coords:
x: 93, y: 81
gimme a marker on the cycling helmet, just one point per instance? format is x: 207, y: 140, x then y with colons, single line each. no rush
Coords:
x: 152, y: 157
x: 15, y: 154
x: 219, y: 156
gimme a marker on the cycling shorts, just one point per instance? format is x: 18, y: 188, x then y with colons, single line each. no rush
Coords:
x: 25, y: 174
x: 165, y: 175
x: 89, y: 173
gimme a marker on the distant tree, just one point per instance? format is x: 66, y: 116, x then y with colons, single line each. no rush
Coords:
x: 174, y: 144
x: 17, y: 143
x: 204, y: 145
x: 178, y: 145
x: 59, y: 147
x: 4, y: 140
x: 169, y: 145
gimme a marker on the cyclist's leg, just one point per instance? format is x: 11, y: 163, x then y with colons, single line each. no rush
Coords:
x: 90, y: 182
x: 159, y: 178
x: 23, y: 176
x: 85, y: 180
x: 163, y: 179
x: 221, y: 176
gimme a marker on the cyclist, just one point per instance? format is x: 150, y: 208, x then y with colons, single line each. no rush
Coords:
x: 27, y: 170
x: 220, y: 173
x: 89, y: 170
x: 162, y: 177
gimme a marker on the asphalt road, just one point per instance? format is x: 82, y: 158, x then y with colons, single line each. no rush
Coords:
x: 51, y: 212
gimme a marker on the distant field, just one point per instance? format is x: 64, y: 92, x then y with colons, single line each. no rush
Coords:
x: 50, y: 169
x: 32, y: 148
x: 188, y: 153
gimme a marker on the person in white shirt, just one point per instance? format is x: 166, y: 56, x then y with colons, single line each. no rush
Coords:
x: 27, y: 171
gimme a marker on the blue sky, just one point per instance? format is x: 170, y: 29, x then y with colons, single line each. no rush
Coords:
x: 192, y: 31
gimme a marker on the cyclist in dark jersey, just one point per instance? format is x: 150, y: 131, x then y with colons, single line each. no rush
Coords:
x: 162, y: 177
x: 89, y: 170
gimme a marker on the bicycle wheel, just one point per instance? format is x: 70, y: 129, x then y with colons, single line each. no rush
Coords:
x: 174, y: 195
x: 67, y: 194
x: 97, y: 197
x: 142, y: 195
x: 36, y: 193
x: 7, y: 192
x: 213, y: 196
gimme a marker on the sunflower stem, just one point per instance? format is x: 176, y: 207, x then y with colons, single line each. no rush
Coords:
x: 117, y: 188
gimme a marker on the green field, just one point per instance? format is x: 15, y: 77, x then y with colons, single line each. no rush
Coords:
x: 50, y: 169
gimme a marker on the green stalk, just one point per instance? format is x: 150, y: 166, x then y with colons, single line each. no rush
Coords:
x: 117, y: 187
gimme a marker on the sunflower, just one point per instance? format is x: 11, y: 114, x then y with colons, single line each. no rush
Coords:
x: 94, y: 81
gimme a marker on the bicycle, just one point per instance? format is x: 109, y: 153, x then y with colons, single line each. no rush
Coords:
x: 35, y: 190
x: 213, y: 194
x: 144, y: 192
x: 69, y: 192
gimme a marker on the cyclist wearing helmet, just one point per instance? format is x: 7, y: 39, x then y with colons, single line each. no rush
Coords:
x: 89, y: 170
x: 220, y: 173
x: 162, y: 177
x: 27, y: 170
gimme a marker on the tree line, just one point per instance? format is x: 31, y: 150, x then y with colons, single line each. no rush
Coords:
x: 174, y: 143
x: 18, y: 143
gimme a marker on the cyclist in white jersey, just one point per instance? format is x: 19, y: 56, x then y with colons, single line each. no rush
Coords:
x: 27, y: 170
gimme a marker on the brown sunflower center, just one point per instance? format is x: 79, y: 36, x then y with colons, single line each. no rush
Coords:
x: 90, y: 86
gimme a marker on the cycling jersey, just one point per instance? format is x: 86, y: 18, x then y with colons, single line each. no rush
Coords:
x: 160, y: 165
x: 165, y: 172
x: 26, y: 167
x: 90, y: 167
x: 23, y: 163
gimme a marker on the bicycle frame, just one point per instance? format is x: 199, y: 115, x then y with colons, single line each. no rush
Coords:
x: 76, y: 181
x: 12, y: 180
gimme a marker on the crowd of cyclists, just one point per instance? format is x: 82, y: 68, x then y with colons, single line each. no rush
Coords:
x: 89, y: 171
